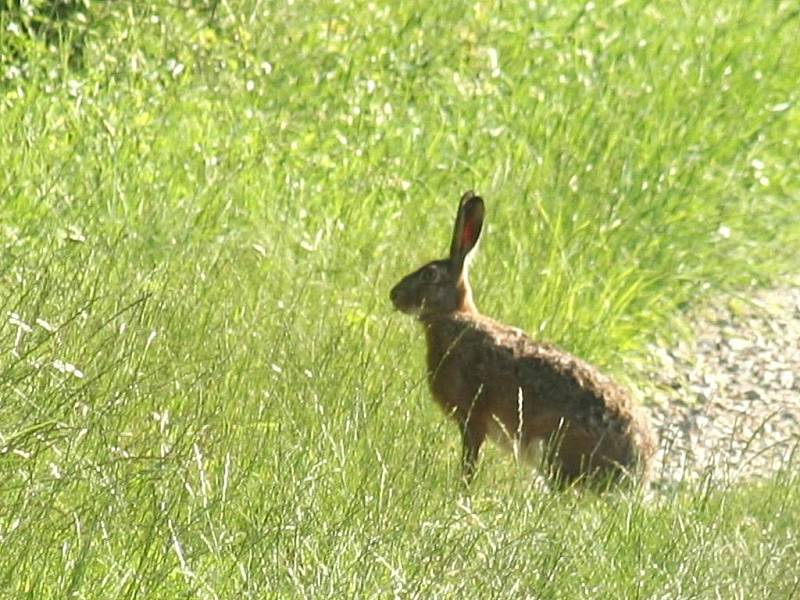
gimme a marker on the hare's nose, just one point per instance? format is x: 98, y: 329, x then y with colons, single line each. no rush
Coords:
x: 399, y: 297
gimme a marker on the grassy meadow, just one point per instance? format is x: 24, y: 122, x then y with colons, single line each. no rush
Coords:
x: 204, y: 391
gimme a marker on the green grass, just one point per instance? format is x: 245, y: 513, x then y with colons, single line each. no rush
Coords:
x: 205, y: 207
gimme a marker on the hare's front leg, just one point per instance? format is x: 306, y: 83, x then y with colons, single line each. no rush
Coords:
x: 472, y: 437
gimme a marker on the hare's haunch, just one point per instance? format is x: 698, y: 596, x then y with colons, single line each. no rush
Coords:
x: 497, y: 382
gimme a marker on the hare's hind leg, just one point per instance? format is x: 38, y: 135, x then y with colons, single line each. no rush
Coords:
x: 573, y: 455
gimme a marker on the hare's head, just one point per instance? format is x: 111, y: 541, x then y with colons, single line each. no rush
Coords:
x: 441, y: 286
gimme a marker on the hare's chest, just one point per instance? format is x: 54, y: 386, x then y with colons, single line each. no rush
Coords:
x: 460, y: 380
x: 448, y: 381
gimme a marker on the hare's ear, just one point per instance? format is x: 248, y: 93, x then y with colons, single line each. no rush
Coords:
x: 469, y: 222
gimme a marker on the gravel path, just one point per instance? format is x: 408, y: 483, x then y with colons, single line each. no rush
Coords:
x: 727, y: 404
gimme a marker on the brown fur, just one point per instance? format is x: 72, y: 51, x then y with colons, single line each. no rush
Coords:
x: 496, y: 381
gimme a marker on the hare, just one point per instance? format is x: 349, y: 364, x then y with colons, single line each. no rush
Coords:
x: 497, y: 382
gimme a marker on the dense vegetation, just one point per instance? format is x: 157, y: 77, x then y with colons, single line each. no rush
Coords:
x: 203, y: 390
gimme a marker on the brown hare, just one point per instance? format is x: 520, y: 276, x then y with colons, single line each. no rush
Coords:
x: 497, y: 382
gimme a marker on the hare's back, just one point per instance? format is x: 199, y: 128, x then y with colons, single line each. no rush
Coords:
x: 555, y: 379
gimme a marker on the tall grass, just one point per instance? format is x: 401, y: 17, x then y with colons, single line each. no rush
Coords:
x: 203, y: 391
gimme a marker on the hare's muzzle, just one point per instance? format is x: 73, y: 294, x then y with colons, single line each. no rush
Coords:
x: 394, y: 295
x: 401, y: 299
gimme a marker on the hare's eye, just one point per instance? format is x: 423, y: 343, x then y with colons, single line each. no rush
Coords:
x: 429, y: 275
